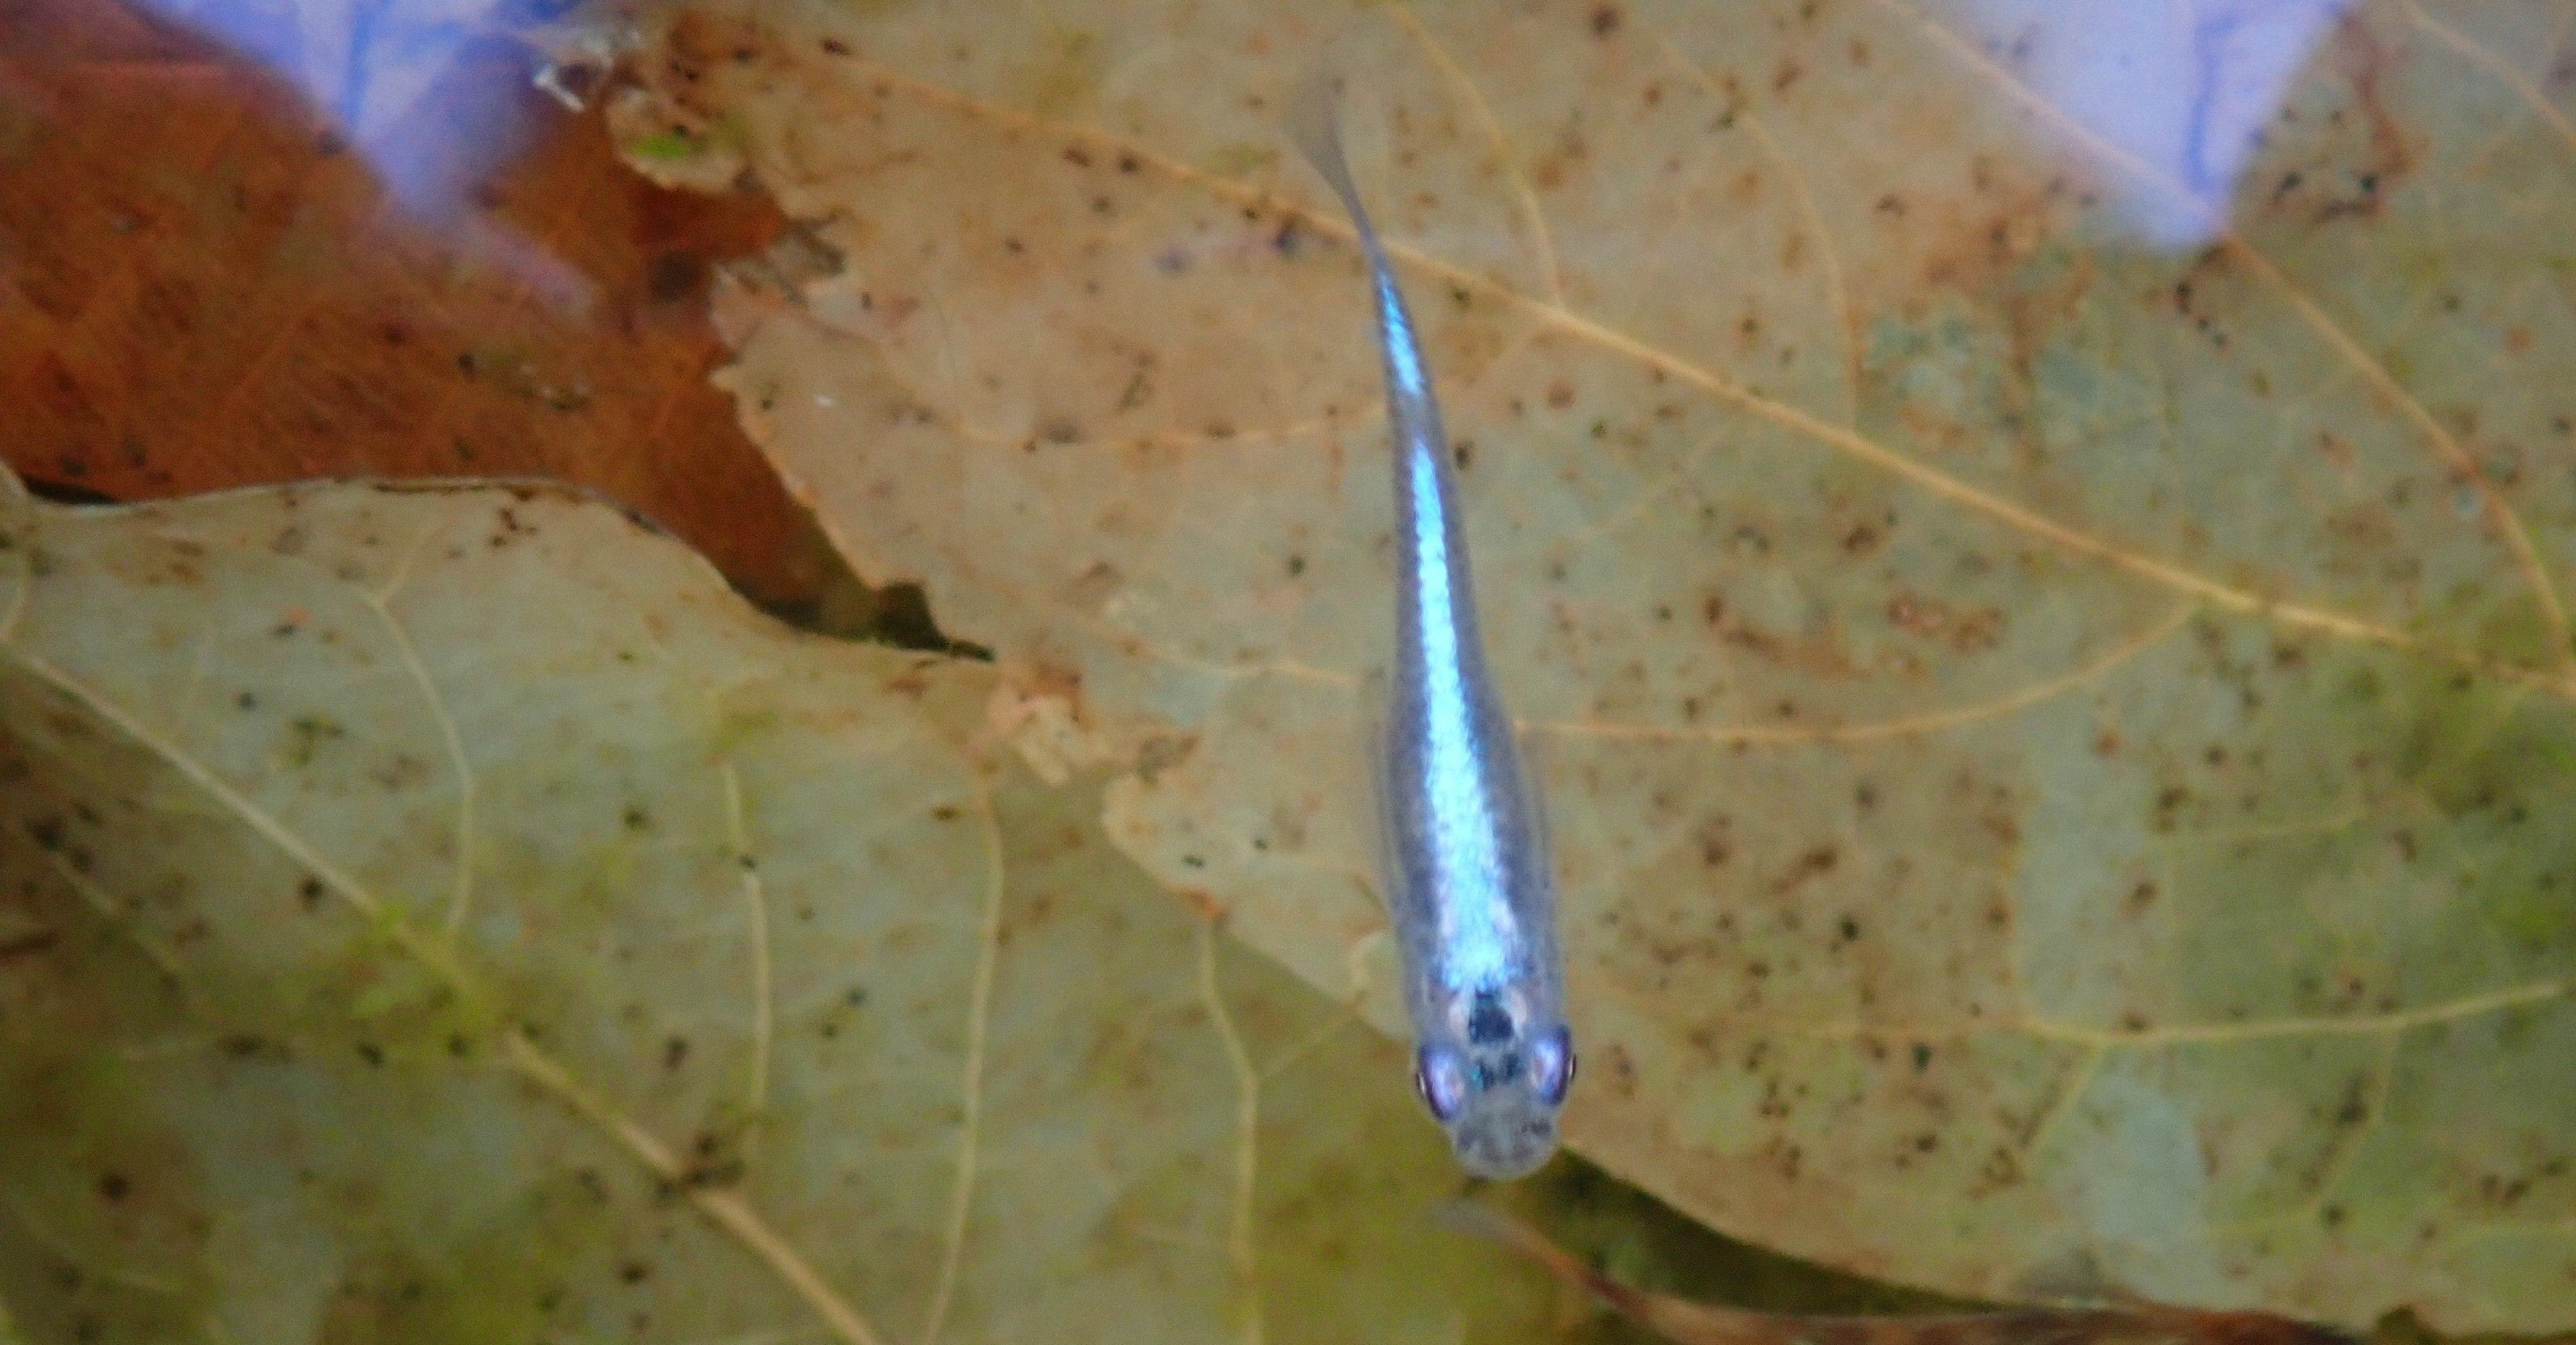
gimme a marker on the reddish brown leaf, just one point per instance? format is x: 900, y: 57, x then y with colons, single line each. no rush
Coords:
x: 201, y: 286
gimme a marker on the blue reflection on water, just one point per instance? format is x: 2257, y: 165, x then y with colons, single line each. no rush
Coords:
x: 2184, y: 87
x: 431, y: 92
x: 370, y: 67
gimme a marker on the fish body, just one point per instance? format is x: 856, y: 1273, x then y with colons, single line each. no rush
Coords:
x: 1469, y: 891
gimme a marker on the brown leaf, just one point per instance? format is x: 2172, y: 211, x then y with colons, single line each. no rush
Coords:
x: 202, y: 286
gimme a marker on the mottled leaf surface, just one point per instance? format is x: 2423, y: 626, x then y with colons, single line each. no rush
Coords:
x: 2058, y: 743
x: 450, y: 914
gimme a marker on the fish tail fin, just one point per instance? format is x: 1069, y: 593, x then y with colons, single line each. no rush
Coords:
x: 1314, y: 123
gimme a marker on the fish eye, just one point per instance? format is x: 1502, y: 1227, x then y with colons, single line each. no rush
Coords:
x: 1441, y: 1077
x: 1551, y: 1060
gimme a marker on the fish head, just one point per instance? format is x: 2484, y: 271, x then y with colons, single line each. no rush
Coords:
x: 1494, y: 1075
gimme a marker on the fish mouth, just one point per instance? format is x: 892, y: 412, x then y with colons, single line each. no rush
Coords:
x: 1499, y: 1144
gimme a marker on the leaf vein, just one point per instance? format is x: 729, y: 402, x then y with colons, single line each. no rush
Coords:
x: 726, y: 1208
x: 1523, y: 193
x: 2409, y: 408
x: 1849, y: 442
x: 979, y: 1012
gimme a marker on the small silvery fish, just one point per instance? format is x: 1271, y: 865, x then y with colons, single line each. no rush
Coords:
x: 1468, y: 888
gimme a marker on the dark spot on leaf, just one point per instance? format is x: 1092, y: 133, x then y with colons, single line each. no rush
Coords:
x: 1814, y: 863
x: 675, y: 277
x: 306, y: 735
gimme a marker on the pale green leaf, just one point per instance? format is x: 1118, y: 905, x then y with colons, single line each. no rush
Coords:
x: 449, y: 914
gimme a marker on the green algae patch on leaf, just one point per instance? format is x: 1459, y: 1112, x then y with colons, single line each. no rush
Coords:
x: 2051, y: 737
x: 450, y: 914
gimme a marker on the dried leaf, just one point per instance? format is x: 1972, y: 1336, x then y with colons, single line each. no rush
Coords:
x: 450, y: 914
x: 2054, y: 744
x: 205, y: 282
